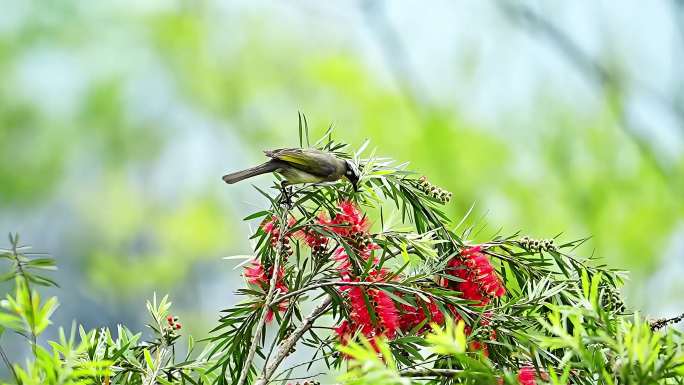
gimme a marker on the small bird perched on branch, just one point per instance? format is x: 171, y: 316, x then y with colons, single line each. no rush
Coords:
x: 300, y: 165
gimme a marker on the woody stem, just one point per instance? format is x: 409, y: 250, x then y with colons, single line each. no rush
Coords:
x: 290, y: 341
x: 247, y: 365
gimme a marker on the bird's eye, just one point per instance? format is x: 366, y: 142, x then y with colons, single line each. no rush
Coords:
x: 348, y: 172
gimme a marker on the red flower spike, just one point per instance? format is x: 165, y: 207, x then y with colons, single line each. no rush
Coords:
x: 412, y: 316
x: 178, y: 326
x: 256, y: 275
x: 349, y: 221
x: 480, y: 280
x: 272, y: 227
x: 169, y: 319
x: 387, y: 313
x: 527, y: 375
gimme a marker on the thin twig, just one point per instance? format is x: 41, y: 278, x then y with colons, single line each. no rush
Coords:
x: 9, y: 364
x: 247, y: 365
x: 22, y: 274
x: 599, y: 75
x: 283, y: 371
x: 289, y: 343
x: 660, y: 323
x: 343, y: 283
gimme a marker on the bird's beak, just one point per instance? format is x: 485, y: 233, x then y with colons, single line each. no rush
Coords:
x: 356, y: 186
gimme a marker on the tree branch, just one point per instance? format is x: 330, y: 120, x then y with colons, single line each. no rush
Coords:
x: 9, y: 364
x: 342, y: 283
x: 287, y: 344
x: 600, y: 77
x: 247, y: 365
x: 660, y: 323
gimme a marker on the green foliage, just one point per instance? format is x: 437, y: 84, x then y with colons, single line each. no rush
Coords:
x: 96, y: 357
x: 368, y: 367
x: 561, y: 319
x: 66, y: 363
x: 415, y: 246
x: 450, y: 340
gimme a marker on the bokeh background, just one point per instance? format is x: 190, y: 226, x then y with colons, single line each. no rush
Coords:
x: 117, y: 119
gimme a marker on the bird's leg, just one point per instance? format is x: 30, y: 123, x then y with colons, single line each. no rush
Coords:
x: 286, y: 194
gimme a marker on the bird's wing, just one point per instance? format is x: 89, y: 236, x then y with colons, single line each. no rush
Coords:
x: 312, y: 161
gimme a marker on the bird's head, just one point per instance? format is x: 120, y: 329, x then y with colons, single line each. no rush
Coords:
x: 352, y: 173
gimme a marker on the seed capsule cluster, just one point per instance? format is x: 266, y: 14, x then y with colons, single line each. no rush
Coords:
x: 430, y: 189
x: 532, y: 244
x: 612, y: 300
x: 359, y: 240
x: 317, y: 242
x: 287, y: 245
x: 173, y: 324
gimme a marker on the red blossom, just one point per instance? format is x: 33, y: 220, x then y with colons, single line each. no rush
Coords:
x: 313, y: 239
x: 272, y: 227
x: 527, y: 375
x: 480, y: 280
x: 256, y: 275
x: 360, y: 298
x: 386, y: 311
x: 412, y: 316
x: 360, y: 317
x: 350, y: 220
x: 343, y: 332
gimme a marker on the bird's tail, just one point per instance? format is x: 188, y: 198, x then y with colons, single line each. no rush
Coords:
x: 250, y: 172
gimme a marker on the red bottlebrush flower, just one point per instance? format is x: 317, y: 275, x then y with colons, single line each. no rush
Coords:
x: 340, y: 256
x: 349, y: 221
x: 480, y: 280
x: 386, y: 311
x: 412, y: 316
x: 386, y: 317
x: 272, y: 227
x: 256, y: 275
x: 477, y: 345
x: 169, y: 319
x: 360, y: 317
x: 313, y: 239
x: 527, y: 375
x: 178, y: 326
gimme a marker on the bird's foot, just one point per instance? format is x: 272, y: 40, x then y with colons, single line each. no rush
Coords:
x: 286, y: 194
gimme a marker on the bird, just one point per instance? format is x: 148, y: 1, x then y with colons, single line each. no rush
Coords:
x: 301, y: 165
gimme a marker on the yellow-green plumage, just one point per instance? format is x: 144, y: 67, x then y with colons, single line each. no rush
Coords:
x: 298, y: 165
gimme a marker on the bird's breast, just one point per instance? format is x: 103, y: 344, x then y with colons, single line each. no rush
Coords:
x: 294, y: 175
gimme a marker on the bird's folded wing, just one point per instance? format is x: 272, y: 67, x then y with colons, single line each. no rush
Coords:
x: 312, y: 161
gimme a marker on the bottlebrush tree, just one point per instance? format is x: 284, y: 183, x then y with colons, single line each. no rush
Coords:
x: 378, y: 285
x: 407, y: 297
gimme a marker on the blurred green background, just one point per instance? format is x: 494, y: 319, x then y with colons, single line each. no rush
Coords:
x: 117, y: 119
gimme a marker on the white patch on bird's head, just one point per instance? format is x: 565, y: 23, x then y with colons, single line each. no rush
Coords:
x: 352, y: 173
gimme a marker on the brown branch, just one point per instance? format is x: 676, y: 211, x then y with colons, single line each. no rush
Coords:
x: 9, y: 364
x: 247, y: 365
x: 660, y: 323
x: 340, y: 283
x: 287, y: 344
x: 600, y: 77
